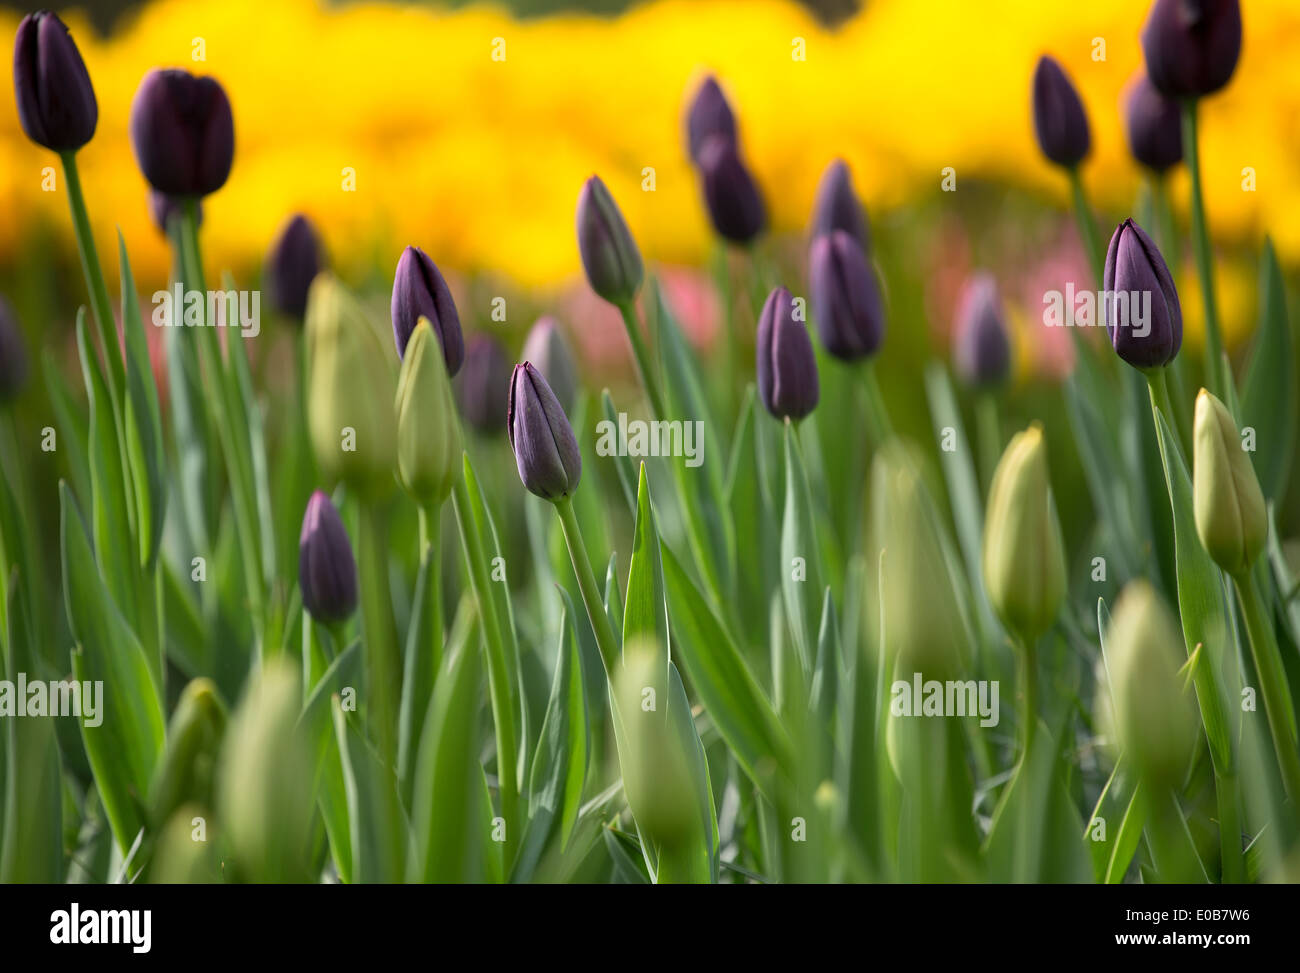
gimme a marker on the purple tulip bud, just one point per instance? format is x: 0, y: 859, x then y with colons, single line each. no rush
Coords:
x: 609, y: 254
x: 709, y: 115
x: 56, y: 101
x: 327, y: 571
x: 182, y: 132
x: 1060, y: 122
x: 550, y: 355
x: 291, y: 266
x: 549, y: 461
x: 734, y: 202
x: 981, y: 350
x: 1143, y: 316
x: 787, y: 366
x: 1154, y: 126
x: 845, y: 297
x: 420, y: 291
x: 838, y: 206
x: 1192, y: 46
x: 13, y: 354
x: 162, y: 209
x: 483, y: 386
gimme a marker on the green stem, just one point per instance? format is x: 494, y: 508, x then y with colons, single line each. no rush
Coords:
x: 1230, y: 854
x: 1159, y: 389
x: 875, y: 413
x: 1272, y: 683
x: 605, y: 640
x: 1029, y: 696
x: 503, y: 716
x: 100, y: 305
x: 423, y: 659
x: 1087, y: 228
x: 379, y: 637
x: 990, y: 435
x: 641, y: 354
x: 1215, y: 372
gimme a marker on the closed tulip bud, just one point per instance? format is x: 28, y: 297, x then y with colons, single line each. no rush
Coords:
x: 428, y: 436
x: 1060, y: 122
x: 1154, y: 126
x: 787, y: 366
x: 609, y: 254
x: 1024, y: 553
x: 730, y: 193
x: 327, y: 571
x: 183, y: 133
x: 981, y: 350
x: 709, y: 116
x: 163, y: 209
x: 838, y: 207
x: 189, y: 760
x: 1230, y: 514
x: 546, y: 452
x: 293, y: 263
x: 13, y: 354
x: 550, y: 355
x: 484, y: 385
x: 1191, y: 46
x: 419, y: 291
x: 925, y: 629
x: 1154, y: 717
x: 845, y: 297
x: 1143, y: 315
x: 350, y: 390
x: 56, y: 101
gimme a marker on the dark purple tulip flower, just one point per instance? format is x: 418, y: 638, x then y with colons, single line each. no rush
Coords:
x: 1135, y: 268
x: 549, y: 461
x: 163, y: 207
x: 551, y: 355
x: 787, y: 366
x: 1060, y: 123
x: 609, y: 254
x: 1192, y: 46
x: 13, y: 354
x: 709, y: 115
x: 838, y: 207
x: 483, y: 385
x: 1153, y: 124
x: 291, y: 266
x: 183, y: 133
x: 981, y: 351
x: 845, y: 297
x: 327, y: 571
x: 734, y: 202
x: 56, y: 101
x: 420, y: 291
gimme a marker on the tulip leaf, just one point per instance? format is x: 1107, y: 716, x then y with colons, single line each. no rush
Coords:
x: 423, y: 654
x: 622, y: 464
x: 74, y: 429
x: 1269, y: 398
x: 31, y: 819
x: 124, y: 748
x: 723, y: 681
x: 644, y: 607
x: 560, y: 764
x: 143, y: 423
x: 690, y: 861
x: 1200, y: 600
x: 378, y: 825
x: 448, y: 817
x: 800, y: 564
x: 709, y: 527
x: 756, y: 546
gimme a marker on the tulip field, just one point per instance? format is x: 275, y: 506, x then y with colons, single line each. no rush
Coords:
x: 832, y: 558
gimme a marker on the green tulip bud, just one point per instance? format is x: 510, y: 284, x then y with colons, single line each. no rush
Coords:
x: 1024, y: 553
x: 1230, y: 513
x: 1154, y: 716
x: 926, y: 630
x: 350, y: 390
x: 189, y: 762
x: 264, y: 781
x: 428, y: 435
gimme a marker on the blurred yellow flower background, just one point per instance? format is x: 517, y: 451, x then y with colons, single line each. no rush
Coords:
x: 479, y: 160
